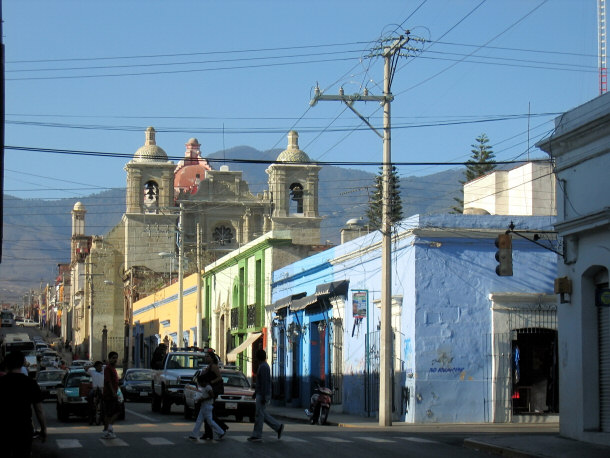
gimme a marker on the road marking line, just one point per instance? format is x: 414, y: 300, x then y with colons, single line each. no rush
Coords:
x: 114, y: 442
x: 157, y: 441
x: 374, y: 439
x: 180, y: 424
x: 68, y: 443
x: 332, y: 439
x: 418, y: 439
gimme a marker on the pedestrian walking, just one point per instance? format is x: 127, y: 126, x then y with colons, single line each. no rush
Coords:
x: 263, y: 397
x: 213, y: 371
x: 206, y: 396
x: 18, y: 393
x: 110, y: 395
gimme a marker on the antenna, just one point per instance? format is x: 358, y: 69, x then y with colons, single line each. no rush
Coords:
x: 601, y: 47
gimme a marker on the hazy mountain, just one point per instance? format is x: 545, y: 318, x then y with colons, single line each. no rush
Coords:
x: 37, y: 231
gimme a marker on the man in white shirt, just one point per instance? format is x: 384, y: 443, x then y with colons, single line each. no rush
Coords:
x: 97, y: 385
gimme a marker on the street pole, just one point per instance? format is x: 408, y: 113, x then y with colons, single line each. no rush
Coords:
x: 385, y: 379
x: 179, y: 337
x: 385, y: 363
x: 199, y: 336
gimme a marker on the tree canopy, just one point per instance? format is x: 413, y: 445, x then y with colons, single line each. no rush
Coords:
x: 374, y: 211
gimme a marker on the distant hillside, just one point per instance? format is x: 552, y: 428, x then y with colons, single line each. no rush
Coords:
x: 37, y: 231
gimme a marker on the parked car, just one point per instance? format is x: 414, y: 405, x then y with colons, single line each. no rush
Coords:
x: 237, y: 399
x: 27, y: 323
x: 136, y: 384
x: 48, y: 381
x: 72, y: 395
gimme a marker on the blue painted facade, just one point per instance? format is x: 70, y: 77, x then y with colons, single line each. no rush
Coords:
x: 443, y: 273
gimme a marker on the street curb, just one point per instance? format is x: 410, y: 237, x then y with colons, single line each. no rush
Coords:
x: 496, y: 449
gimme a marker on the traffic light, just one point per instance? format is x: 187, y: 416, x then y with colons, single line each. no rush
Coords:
x: 504, y: 255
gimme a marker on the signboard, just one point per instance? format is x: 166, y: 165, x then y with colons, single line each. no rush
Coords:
x: 602, y: 297
x: 360, y: 299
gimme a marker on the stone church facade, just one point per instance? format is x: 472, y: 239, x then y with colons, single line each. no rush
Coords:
x: 130, y: 261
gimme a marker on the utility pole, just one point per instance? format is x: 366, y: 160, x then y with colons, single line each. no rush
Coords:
x: 179, y: 337
x: 388, y: 52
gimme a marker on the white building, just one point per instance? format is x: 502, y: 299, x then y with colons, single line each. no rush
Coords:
x: 527, y: 190
x: 580, y: 146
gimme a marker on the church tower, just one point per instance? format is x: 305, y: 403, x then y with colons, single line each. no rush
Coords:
x: 293, y: 185
x: 80, y: 242
x: 150, y: 217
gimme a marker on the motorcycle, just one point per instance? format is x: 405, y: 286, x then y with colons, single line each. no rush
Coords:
x: 319, y: 405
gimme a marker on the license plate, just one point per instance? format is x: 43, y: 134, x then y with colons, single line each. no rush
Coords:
x: 231, y: 405
x: 143, y: 393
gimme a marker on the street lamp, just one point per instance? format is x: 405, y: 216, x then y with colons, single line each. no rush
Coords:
x: 172, y: 256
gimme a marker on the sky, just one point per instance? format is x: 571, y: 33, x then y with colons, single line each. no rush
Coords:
x: 90, y: 76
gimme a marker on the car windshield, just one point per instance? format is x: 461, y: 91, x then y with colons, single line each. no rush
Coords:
x: 50, y: 376
x: 76, y: 379
x: 139, y: 375
x: 238, y: 380
x: 185, y: 361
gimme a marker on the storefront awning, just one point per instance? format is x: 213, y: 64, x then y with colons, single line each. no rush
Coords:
x: 304, y: 302
x: 232, y: 355
x: 334, y: 288
x: 284, y: 302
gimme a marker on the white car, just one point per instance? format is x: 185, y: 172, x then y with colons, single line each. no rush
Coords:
x: 27, y: 323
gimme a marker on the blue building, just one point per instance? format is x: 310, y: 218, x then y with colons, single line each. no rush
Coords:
x: 469, y: 345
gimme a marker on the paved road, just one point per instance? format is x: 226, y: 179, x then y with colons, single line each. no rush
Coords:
x: 152, y: 435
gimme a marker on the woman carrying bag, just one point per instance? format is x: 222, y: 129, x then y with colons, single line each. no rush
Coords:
x: 218, y: 389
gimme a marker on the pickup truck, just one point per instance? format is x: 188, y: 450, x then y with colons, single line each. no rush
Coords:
x: 177, y: 369
x: 27, y: 323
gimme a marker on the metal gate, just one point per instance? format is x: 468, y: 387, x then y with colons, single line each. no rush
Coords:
x: 336, y: 361
x: 371, y: 374
x: 505, y: 395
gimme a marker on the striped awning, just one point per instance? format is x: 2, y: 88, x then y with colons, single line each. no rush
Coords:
x: 334, y: 288
x: 284, y: 302
x: 303, y: 303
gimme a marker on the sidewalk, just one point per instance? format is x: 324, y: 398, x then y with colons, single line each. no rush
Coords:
x: 515, y: 440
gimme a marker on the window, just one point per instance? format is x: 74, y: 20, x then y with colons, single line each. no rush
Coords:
x: 296, y: 195
x: 223, y: 235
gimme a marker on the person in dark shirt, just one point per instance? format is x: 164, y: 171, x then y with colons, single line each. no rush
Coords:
x: 18, y: 393
x: 110, y: 395
x: 263, y: 397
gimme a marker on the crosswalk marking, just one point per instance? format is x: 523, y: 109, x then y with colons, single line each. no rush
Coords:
x: 157, y: 441
x: 418, y: 439
x: 374, y: 439
x: 68, y: 443
x: 114, y: 442
x: 332, y: 439
x: 292, y: 439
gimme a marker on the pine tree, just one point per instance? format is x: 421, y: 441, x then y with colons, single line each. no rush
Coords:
x: 374, y: 212
x: 481, y: 162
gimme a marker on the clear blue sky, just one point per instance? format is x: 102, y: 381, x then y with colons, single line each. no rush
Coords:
x: 92, y: 75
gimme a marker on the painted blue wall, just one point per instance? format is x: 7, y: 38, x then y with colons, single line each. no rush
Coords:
x: 444, y: 282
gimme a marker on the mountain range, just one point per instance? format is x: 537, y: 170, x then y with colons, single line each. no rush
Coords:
x: 37, y: 231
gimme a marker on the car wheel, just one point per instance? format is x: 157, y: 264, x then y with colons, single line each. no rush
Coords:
x: 155, y: 403
x: 62, y: 413
x: 166, y: 404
